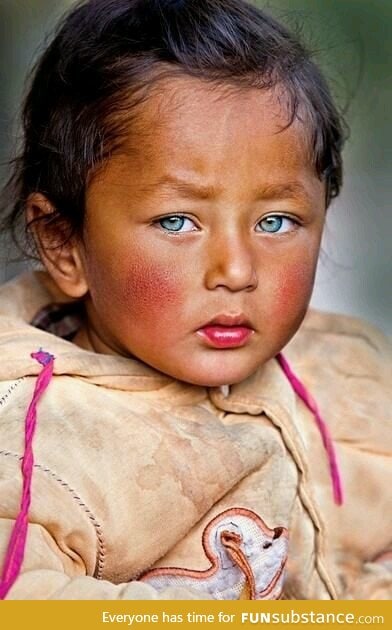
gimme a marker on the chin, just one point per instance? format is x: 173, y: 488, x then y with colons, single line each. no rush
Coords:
x: 217, y: 378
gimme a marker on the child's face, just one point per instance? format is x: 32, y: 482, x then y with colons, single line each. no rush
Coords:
x: 214, y: 216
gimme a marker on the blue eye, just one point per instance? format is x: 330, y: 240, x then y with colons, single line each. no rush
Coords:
x: 273, y: 224
x: 176, y: 223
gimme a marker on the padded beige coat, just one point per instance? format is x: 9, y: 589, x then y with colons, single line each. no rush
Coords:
x: 131, y: 466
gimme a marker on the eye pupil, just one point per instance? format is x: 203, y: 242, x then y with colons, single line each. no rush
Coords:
x: 271, y: 224
x: 172, y: 224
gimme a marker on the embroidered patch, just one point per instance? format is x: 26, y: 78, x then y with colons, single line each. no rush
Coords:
x: 247, y: 559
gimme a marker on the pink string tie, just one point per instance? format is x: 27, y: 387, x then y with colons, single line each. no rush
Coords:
x: 16, y: 547
x: 303, y: 393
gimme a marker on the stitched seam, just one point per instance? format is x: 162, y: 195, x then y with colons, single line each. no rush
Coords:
x: 11, y: 389
x: 311, y: 508
x: 98, y: 529
x: 306, y: 499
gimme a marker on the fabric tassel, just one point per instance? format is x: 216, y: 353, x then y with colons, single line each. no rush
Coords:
x: 16, y: 547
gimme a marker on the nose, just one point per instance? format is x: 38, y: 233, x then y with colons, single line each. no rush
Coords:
x: 231, y: 265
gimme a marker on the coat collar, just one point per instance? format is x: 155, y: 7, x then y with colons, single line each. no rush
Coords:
x: 267, y: 388
x: 24, y: 296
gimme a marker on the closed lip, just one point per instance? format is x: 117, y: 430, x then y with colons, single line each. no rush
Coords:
x: 226, y: 319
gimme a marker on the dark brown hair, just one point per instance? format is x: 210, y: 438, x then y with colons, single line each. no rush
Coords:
x: 105, y: 56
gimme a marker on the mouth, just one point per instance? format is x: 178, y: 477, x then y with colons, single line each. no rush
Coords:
x: 226, y: 331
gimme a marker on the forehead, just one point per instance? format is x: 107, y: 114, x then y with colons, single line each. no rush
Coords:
x: 184, y: 112
x: 224, y: 136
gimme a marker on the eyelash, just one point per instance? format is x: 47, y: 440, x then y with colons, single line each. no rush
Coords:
x: 157, y: 222
x: 173, y: 216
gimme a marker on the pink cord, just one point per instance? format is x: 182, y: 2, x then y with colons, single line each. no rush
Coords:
x: 303, y: 393
x: 17, y: 543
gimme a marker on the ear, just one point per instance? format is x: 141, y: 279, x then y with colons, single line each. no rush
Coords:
x: 62, y: 256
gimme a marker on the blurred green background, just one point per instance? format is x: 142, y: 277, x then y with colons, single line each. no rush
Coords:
x: 353, y: 45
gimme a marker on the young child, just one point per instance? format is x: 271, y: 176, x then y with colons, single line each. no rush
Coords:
x: 165, y: 431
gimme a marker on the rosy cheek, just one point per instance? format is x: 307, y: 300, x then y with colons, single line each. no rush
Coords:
x: 148, y: 290
x: 293, y: 288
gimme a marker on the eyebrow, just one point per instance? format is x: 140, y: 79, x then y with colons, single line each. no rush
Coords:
x: 283, y: 191
x: 202, y: 191
x: 184, y: 187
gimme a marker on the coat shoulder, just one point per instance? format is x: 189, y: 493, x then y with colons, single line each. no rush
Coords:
x: 346, y: 363
x: 322, y: 323
x: 349, y: 343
